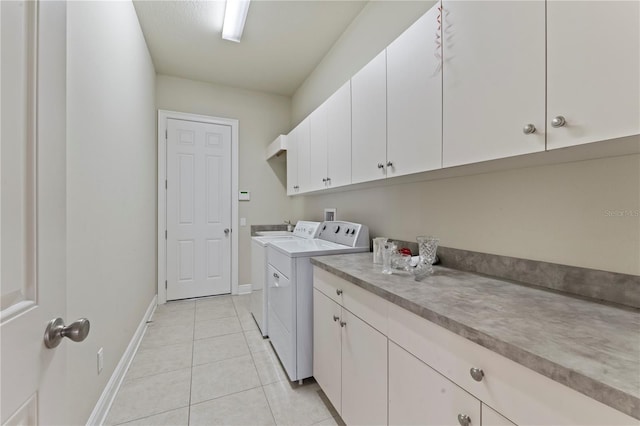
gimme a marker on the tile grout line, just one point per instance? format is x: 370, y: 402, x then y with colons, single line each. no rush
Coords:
x: 193, y: 348
x: 264, y: 393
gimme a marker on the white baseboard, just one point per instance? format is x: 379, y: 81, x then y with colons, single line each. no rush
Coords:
x: 100, y: 411
x: 244, y: 289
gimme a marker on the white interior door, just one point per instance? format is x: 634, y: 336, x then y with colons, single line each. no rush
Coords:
x: 198, y: 209
x: 33, y: 210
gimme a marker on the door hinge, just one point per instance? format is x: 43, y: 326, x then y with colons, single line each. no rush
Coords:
x: 165, y: 284
x: 166, y: 134
x: 166, y: 184
x: 165, y: 234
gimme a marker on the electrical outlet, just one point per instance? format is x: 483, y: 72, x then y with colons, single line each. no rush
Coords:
x: 100, y: 360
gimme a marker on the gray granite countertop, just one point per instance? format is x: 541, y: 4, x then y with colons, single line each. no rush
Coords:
x: 591, y: 347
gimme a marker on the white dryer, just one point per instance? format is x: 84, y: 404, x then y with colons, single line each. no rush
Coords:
x: 290, y: 288
x: 259, y: 292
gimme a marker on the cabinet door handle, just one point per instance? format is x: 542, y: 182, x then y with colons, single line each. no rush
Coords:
x: 338, y: 292
x: 477, y: 374
x: 335, y: 318
x: 342, y: 323
x: 324, y: 180
x: 276, y: 276
x: 464, y: 420
x: 380, y: 166
x: 558, y: 121
x: 389, y: 164
x: 529, y: 129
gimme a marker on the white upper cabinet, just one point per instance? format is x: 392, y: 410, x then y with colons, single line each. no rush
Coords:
x: 493, y: 79
x: 292, y: 163
x: 593, y: 70
x: 339, y: 137
x: 298, y: 159
x: 318, y: 148
x: 414, y: 98
x: 369, y: 121
x: 303, y: 155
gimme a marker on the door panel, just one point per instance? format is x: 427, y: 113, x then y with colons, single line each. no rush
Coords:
x: 369, y: 121
x: 327, y: 368
x: 593, y: 54
x: 493, y: 79
x: 318, y: 148
x: 418, y: 395
x: 198, y: 209
x: 414, y: 98
x: 339, y: 137
x: 33, y: 210
x: 364, y: 373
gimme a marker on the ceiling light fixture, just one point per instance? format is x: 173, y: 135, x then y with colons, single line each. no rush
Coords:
x: 235, y: 14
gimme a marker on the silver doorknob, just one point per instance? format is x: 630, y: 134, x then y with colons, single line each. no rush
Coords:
x: 56, y: 330
x: 559, y: 121
x: 226, y: 231
x: 338, y: 292
x: 380, y: 166
x: 464, y: 420
x: 529, y: 129
x: 389, y: 164
x: 336, y: 318
x: 477, y: 374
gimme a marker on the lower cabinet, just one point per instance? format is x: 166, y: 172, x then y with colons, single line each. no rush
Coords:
x: 418, y: 395
x: 349, y: 363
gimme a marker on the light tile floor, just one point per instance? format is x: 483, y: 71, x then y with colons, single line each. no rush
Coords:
x: 204, y: 362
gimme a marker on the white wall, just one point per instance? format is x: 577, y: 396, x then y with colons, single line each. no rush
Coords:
x: 262, y: 117
x: 553, y: 213
x: 111, y: 175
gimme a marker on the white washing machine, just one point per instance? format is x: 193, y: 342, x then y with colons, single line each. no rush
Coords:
x: 259, y: 292
x: 290, y: 287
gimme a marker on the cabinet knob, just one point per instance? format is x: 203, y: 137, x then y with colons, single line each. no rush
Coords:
x: 276, y: 276
x: 464, y: 420
x: 342, y: 323
x: 324, y: 180
x: 335, y: 318
x: 477, y: 374
x: 389, y: 164
x: 529, y: 129
x: 380, y: 166
x: 559, y: 121
x: 338, y: 292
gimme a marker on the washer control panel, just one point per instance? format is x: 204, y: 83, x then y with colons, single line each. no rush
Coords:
x: 346, y: 233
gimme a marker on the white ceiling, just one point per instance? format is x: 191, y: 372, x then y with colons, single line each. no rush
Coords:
x: 282, y: 43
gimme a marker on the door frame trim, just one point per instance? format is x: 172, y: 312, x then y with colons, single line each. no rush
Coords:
x: 163, y: 116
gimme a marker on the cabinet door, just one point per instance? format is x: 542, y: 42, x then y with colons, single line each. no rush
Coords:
x: 326, y: 347
x: 304, y: 155
x: 339, y: 137
x: 369, y: 121
x: 418, y: 395
x: 414, y: 98
x: 292, y: 162
x: 364, y: 373
x: 493, y: 79
x: 593, y: 54
x: 318, y: 148
x: 491, y: 417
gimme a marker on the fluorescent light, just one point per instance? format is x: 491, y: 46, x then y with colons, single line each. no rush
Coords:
x: 235, y: 14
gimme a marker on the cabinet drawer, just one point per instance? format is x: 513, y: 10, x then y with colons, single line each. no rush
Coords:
x: 370, y: 308
x: 280, y: 261
x: 519, y: 393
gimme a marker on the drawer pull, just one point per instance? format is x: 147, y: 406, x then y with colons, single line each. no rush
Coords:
x: 276, y: 276
x: 336, y: 318
x: 477, y: 374
x: 338, y: 292
x: 342, y: 323
x: 464, y: 420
